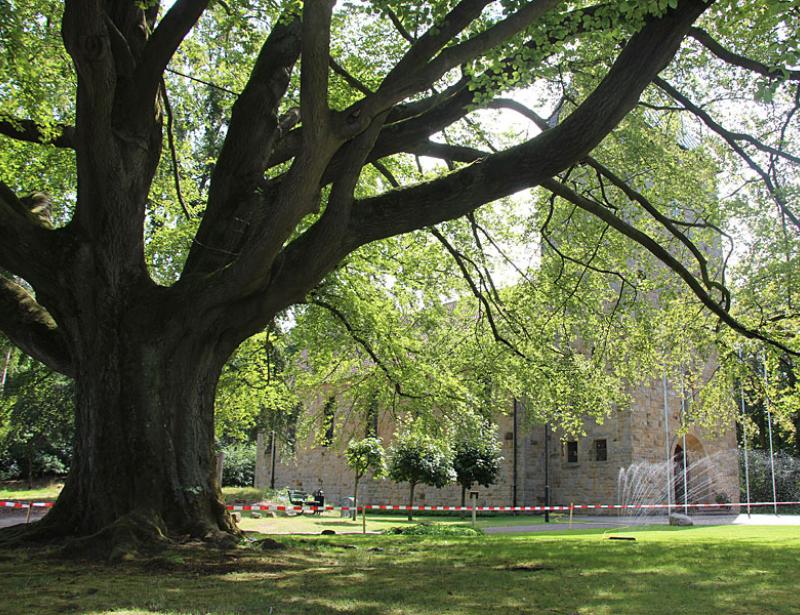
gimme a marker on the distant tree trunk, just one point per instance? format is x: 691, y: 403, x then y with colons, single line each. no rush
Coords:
x: 29, y: 459
x: 355, y: 499
x: 411, y: 502
x: 463, y: 498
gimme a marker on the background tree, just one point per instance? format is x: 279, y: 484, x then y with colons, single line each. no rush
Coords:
x: 36, y: 421
x: 476, y: 460
x: 415, y: 459
x: 363, y: 456
x: 150, y: 265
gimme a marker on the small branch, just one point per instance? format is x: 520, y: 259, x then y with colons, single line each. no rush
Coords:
x: 459, y: 259
x: 351, y: 81
x: 657, y: 250
x: 399, y: 25
x: 173, y: 152
x: 732, y: 140
x: 705, y: 39
x: 364, y: 344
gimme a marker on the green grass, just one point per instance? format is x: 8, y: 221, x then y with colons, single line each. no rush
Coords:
x: 18, y: 490
x: 312, y: 524
x: 732, y: 570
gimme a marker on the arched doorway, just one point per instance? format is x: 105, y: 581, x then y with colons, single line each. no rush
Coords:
x: 692, y: 480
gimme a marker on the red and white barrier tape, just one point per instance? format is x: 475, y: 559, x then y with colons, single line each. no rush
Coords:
x: 15, y: 504
x: 390, y: 507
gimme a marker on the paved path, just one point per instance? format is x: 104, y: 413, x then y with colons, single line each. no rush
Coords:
x: 14, y: 518
x: 593, y: 523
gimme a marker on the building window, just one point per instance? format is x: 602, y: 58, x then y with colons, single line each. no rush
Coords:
x: 372, y: 418
x: 328, y: 415
x: 600, y: 450
x: 572, y: 452
x: 291, y: 428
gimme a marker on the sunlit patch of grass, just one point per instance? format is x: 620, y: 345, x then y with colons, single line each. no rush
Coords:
x: 18, y: 490
x: 738, y: 570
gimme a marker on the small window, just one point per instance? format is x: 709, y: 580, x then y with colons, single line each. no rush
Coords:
x: 328, y: 416
x: 572, y: 452
x: 600, y: 450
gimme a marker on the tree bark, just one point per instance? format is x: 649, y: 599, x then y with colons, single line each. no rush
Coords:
x: 411, y: 502
x: 144, y: 447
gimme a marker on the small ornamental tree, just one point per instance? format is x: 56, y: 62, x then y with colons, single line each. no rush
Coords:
x: 363, y: 456
x: 476, y: 461
x: 419, y: 460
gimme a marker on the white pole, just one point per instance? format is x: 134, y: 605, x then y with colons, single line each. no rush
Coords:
x: 744, y: 440
x: 685, y: 469
x: 769, y: 427
x: 667, y: 449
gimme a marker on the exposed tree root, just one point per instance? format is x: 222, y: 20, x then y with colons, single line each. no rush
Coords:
x: 139, y: 533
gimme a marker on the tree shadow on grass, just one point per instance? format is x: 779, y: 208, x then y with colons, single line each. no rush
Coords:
x: 412, y: 575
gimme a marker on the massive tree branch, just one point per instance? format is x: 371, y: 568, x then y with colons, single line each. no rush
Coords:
x: 528, y: 164
x: 254, y: 126
x: 417, y: 71
x: 60, y: 135
x: 302, y: 263
x: 28, y: 325
x: 314, y: 109
x: 27, y: 245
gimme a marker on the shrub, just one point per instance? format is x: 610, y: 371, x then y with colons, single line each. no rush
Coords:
x: 433, y: 529
x: 239, y: 465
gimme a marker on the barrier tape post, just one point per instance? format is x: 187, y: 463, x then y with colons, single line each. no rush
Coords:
x: 363, y: 518
x: 28, y: 516
x: 571, y: 509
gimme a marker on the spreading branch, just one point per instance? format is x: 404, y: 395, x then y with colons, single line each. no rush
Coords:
x: 60, y: 135
x: 529, y: 163
x: 732, y: 139
x: 30, y: 327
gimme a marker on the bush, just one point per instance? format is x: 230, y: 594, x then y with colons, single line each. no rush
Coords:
x: 239, y: 465
x: 433, y: 529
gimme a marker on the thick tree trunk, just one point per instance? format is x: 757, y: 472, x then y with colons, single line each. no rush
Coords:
x: 144, y: 440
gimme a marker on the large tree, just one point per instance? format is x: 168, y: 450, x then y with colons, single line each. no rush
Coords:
x: 281, y: 203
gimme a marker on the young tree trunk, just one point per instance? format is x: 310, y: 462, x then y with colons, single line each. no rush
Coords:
x: 29, y: 455
x: 411, y: 502
x: 355, y: 499
x: 463, y: 499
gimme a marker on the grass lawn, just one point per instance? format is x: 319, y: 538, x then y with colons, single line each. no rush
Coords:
x: 18, y: 490
x: 732, y: 570
x: 311, y: 524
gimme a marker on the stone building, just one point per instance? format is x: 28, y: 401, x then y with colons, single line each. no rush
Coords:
x: 624, y: 459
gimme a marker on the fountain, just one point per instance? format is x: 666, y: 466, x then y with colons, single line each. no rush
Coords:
x: 644, y: 484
